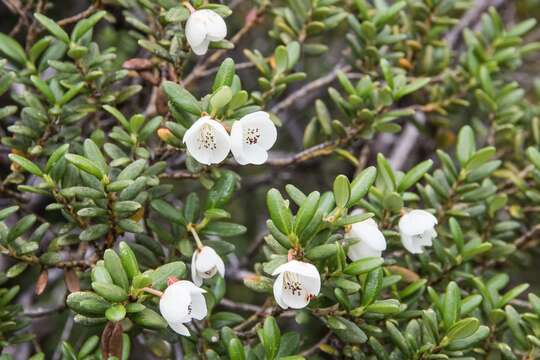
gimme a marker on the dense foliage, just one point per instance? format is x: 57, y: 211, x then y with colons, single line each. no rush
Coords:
x: 381, y: 194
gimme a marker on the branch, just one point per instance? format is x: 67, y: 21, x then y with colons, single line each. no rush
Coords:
x: 252, y: 18
x: 309, y: 87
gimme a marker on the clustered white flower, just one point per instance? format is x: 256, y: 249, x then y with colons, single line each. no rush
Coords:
x: 202, y: 27
x: 297, y: 282
x: 417, y: 229
x: 251, y: 137
x: 206, y: 263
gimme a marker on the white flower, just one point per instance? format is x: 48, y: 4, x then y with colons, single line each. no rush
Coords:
x: 370, y: 240
x: 205, y: 263
x: 180, y: 303
x: 297, y: 283
x: 251, y: 137
x: 207, y: 141
x: 417, y: 229
x: 202, y: 27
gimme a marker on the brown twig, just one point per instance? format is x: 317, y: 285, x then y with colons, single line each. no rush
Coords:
x: 309, y: 87
x: 251, y: 20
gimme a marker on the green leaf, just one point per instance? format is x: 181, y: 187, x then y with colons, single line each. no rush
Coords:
x: 129, y: 261
x: 363, y: 265
x: 342, y: 190
x: 21, y: 227
x: 235, y: 350
x: 466, y: 145
x: 26, y: 164
x: 270, y: 337
x: 12, y: 49
x: 115, y: 313
x: 113, y: 264
x: 361, y: 184
x: 94, y: 232
x: 85, y: 165
x: 222, y: 191
x: 386, y: 173
x: 321, y: 252
x: 306, y: 212
x: 56, y: 156
x: 110, y: 292
x: 52, y: 27
x: 413, y: 175
x: 92, y: 152
x: 224, y: 75
x: 161, y: 274
x: 221, y: 98
x: 181, y: 98
x: 452, y: 300
x: 149, y: 319
x: 463, y: 328
x: 511, y: 295
x: 279, y: 211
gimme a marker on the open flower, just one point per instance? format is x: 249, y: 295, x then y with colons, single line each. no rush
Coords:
x: 207, y: 141
x: 369, y: 240
x: 181, y: 302
x: 202, y: 27
x: 297, y: 283
x: 205, y: 263
x: 251, y: 137
x: 417, y: 229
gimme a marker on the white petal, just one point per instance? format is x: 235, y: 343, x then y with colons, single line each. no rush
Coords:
x: 237, y: 143
x: 206, y: 259
x: 295, y: 294
x: 368, y: 233
x: 198, y: 306
x: 261, y: 122
x: 298, y: 267
x: 362, y: 250
x: 220, y: 266
x: 207, y: 141
x: 278, y: 291
x: 196, y: 29
x: 202, y: 48
x: 174, y: 304
x: 410, y: 244
x: 216, y: 29
x: 180, y: 328
x: 311, y: 284
x: 416, y: 222
x: 255, y: 155
x: 197, y: 279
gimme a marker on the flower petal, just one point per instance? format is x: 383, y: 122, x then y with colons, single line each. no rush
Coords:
x: 278, y: 291
x: 266, y: 129
x: 295, y: 294
x: 360, y: 250
x: 207, y: 141
x: 410, y: 244
x: 416, y: 222
x: 216, y: 28
x: 206, y: 259
x: 196, y: 29
x: 202, y: 48
x: 174, y: 304
x: 197, y: 279
x: 369, y: 234
x: 198, y: 306
x: 180, y: 328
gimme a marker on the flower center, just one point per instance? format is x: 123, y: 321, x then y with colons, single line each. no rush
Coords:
x: 207, y: 138
x: 252, y: 135
x: 293, y: 284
